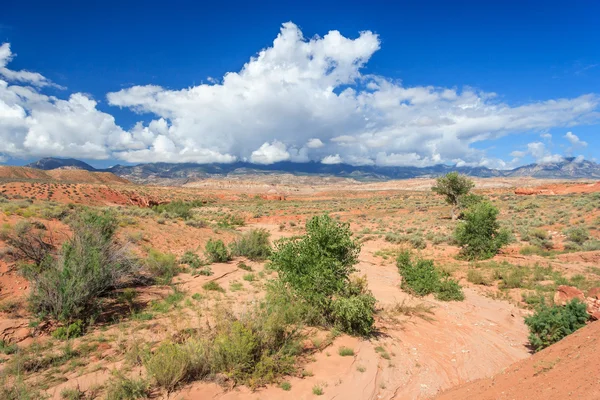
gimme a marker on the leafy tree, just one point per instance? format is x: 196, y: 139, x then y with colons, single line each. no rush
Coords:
x: 453, y: 185
x: 550, y: 324
x: 479, y: 235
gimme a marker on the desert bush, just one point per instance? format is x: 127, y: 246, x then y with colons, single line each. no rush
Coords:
x: 316, y: 267
x: 253, y: 244
x: 169, y: 365
x: 216, y: 251
x: 477, y: 277
x: 192, y: 259
x: 549, y: 324
x: 480, y: 235
x: 90, y: 264
x: 28, y: 241
x: 231, y: 221
x: 19, y: 390
x: 70, y: 331
x: 7, y: 348
x: 121, y: 387
x: 162, y: 266
x: 453, y: 186
x: 178, y: 208
x: 577, y: 235
x: 354, y: 313
x: 420, y: 277
x: 449, y: 290
x: 196, y: 223
x: 213, y: 286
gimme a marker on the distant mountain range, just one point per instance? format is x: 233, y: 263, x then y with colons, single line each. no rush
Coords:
x: 174, y: 174
x: 49, y: 163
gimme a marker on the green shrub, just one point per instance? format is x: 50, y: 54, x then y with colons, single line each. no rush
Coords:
x: 89, y: 265
x: 420, y: 277
x: 178, y: 208
x: 169, y: 365
x: 162, y: 266
x: 122, y: 388
x: 479, y: 235
x: 577, y: 235
x: 449, y: 290
x: 7, y: 348
x: 19, y: 390
x: 253, y: 244
x: 190, y: 258
x: 316, y: 267
x: 345, y: 351
x: 354, y: 313
x: 216, y: 251
x: 230, y: 221
x: 71, y: 331
x: 214, y: 286
x: 550, y: 324
x: 477, y: 277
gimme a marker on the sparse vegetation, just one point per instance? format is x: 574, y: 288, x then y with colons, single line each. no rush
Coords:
x: 317, y: 268
x: 550, y: 324
x: 480, y: 235
x: 253, y: 244
x: 420, y: 277
x: 91, y: 263
x: 216, y: 251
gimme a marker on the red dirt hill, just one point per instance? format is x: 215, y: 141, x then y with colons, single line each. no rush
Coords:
x: 565, y: 370
x: 62, y: 175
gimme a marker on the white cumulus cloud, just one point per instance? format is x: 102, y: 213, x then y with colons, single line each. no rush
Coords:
x: 296, y: 100
x: 574, y: 140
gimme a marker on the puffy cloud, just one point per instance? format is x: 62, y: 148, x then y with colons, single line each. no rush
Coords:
x: 541, y: 154
x: 270, y: 153
x: 314, y: 143
x: 574, y: 140
x: 297, y: 100
x: 332, y: 159
x: 298, y: 90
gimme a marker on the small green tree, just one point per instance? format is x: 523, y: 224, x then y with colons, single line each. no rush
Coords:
x: 479, y: 235
x: 453, y: 185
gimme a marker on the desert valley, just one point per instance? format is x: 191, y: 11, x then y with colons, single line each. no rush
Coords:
x: 206, y: 268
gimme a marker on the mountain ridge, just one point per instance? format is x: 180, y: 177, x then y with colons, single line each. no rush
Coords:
x: 180, y: 173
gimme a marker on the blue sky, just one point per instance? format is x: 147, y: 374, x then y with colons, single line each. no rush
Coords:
x: 389, y: 83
